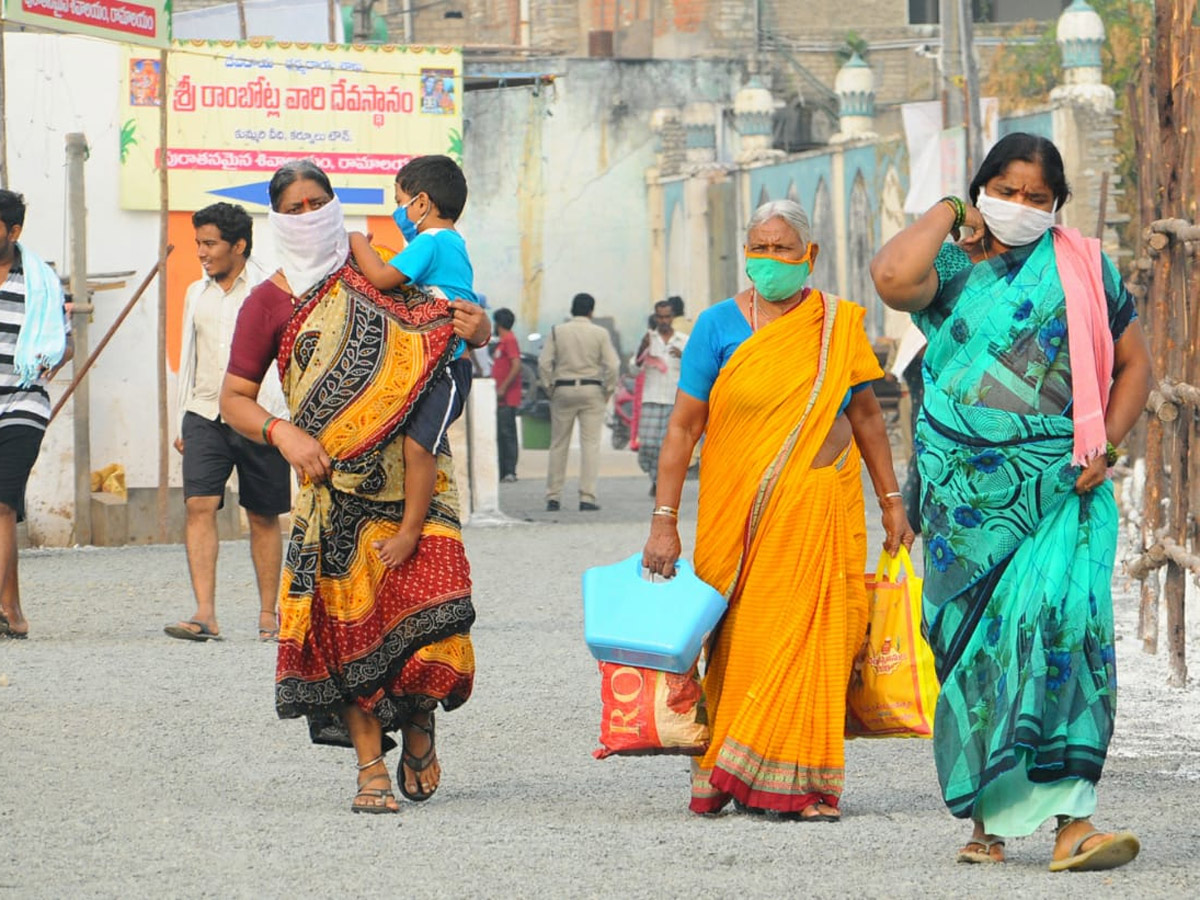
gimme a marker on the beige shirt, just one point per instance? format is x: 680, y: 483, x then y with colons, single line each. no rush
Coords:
x: 209, y: 318
x: 578, y: 349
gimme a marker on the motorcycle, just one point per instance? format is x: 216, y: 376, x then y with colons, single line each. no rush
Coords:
x: 620, y: 417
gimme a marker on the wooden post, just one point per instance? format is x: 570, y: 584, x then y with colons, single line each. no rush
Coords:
x: 77, y: 150
x: 241, y: 11
x: 333, y: 14
x: 161, y: 354
x: 3, y: 107
x: 1155, y: 311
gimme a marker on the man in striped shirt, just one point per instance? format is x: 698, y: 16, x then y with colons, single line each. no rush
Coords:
x: 24, y: 403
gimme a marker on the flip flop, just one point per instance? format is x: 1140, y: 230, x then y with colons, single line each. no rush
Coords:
x: 967, y: 855
x: 417, y: 764
x: 7, y: 632
x: 268, y: 635
x: 1121, y: 848
x: 181, y: 631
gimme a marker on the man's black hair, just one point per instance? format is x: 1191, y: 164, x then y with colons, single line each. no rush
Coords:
x: 12, y: 208
x: 231, y: 220
x: 440, y: 179
x: 582, y: 305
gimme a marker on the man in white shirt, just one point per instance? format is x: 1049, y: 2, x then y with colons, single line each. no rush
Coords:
x: 658, y: 358
x: 211, y: 449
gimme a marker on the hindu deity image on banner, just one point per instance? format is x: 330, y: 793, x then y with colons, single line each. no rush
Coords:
x: 236, y: 111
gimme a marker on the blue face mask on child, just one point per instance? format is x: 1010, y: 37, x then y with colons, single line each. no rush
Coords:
x: 407, y: 226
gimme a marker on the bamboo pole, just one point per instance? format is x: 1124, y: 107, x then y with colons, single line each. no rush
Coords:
x: 112, y: 329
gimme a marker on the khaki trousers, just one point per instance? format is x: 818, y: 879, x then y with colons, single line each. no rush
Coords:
x: 584, y: 402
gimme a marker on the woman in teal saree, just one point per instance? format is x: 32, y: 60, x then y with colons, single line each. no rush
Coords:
x: 1036, y: 368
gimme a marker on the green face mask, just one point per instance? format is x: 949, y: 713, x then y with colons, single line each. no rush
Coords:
x: 776, y: 279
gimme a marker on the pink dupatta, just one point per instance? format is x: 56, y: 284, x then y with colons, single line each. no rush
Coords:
x: 1089, y: 337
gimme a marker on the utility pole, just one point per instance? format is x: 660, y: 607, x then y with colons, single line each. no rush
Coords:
x: 81, y: 312
x: 333, y: 14
x: 966, y: 38
x: 164, y: 451
x: 241, y: 11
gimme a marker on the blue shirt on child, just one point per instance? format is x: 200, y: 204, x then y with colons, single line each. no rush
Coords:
x: 438, y: 258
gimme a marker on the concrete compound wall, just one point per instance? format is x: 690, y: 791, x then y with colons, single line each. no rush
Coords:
x: 58, y: 85
x: 557, y: 179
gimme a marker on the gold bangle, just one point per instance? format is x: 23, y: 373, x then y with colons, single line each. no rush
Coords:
x: 670, y: 511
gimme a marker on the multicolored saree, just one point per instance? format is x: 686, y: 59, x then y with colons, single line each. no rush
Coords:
x: 353, y: 364
x: 1018, y: 567
x: 786, y: 543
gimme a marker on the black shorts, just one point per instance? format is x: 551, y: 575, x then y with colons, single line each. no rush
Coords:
x: 19, y: 446
x: 440, y: 406
x: 211, y: 451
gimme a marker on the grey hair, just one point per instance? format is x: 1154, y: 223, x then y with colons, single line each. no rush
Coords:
x: 790, y: 211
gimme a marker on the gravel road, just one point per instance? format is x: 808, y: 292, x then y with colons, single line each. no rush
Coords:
x: 134, y: 765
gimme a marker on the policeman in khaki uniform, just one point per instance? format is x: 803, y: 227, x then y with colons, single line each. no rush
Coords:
x: 578, y: 368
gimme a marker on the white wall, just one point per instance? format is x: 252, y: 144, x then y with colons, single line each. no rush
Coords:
x: 57, y: 85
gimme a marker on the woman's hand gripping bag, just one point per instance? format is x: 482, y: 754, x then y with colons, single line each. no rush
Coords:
x: 647, y: 636
x: 893, y: 685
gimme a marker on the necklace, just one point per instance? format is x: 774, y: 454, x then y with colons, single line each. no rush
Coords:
x: 754, y: 310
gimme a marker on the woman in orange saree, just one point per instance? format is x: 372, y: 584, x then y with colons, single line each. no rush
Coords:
x: 777, y: 381
x: 364, y: 649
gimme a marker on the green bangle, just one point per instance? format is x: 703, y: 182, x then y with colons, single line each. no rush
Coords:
x: 1111, y: 454
x: 265, y: 426
x: 958, y: 207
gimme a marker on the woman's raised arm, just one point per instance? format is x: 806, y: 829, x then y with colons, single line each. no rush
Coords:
x: 903, y: 268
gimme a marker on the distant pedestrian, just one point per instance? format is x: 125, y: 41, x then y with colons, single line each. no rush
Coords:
x: 679, y: 322
x: 211, y: 449
x: 578, y: 367
x: 658, y: 358
x: 35, y: 342
x: 506, y: 370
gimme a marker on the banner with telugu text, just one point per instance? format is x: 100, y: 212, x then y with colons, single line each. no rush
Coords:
x: 236, y: 111
x: 141, y: 22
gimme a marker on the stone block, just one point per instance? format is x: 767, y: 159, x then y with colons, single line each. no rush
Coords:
x: 110, y: 520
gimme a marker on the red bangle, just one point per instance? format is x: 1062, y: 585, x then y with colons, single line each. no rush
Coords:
x: 271, y: 428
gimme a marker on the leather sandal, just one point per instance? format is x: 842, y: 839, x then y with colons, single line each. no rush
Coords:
x: 379, y: 795
x: 417, y: 765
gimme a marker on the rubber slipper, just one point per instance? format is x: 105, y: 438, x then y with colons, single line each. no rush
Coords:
x: 268, y: 636
x: 1121, y: 848
x: 7, y: 632
x: 984, y: 856
x: 181, y: 631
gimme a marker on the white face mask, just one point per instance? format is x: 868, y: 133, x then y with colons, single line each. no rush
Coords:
x: 311, y: 245
x: 1014, y: 224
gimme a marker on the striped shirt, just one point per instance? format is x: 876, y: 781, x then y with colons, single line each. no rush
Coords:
x: 19, y: 405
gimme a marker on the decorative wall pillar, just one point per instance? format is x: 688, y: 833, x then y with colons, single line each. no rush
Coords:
x: 855, y: 89
x: 700, y: 126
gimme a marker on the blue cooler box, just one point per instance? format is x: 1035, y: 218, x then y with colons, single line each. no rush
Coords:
x: 627, y: 619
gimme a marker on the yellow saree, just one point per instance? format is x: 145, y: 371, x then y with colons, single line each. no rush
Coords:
x: 786, y: 543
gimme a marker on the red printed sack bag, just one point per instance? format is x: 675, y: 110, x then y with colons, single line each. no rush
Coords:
x: 647, y: 711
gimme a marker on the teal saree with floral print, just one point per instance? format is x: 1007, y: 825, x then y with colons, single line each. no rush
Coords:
x: 1018, y: 567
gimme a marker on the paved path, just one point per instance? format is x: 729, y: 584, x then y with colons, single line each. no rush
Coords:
x: 132, y: 765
